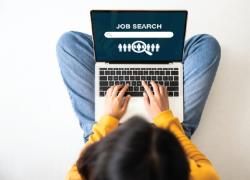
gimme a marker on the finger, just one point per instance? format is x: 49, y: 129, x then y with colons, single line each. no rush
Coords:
x: 122, y: 92
x: 165, y: 91
x: 161, y: 91
x: 147, y: 89
x: 146, y: 100
x: 116, y: 89
x: 155, y: 87
x: 125, y: 103
x: 110, y: 90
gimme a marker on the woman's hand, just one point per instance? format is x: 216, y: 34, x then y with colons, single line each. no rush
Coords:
x: 113, y: 102
x: 157, y: 102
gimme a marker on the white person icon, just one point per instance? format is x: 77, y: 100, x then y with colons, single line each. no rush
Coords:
x: 139, y: 47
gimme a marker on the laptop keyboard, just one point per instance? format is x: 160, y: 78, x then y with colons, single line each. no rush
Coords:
x: 168, y: 77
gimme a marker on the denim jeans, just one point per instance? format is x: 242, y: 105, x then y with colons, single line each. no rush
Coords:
x: 77, y: 64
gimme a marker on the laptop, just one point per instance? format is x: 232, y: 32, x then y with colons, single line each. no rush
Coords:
x: 135, y: 45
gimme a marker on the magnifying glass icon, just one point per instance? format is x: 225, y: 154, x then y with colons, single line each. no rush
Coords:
x: 142, y: 50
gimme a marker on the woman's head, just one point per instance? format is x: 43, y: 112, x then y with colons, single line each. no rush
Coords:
x: 136, y: 150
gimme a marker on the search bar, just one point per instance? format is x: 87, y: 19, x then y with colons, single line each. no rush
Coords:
x: 129, y: 34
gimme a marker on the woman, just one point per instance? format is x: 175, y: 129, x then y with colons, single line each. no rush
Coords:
x: 137, y: 149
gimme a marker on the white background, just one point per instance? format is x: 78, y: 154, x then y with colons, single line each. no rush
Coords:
x: 39, y: 134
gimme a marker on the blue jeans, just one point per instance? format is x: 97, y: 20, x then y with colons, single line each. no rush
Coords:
x: 76, y: 60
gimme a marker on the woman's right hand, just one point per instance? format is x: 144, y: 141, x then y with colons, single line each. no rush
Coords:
x: 157, y: 102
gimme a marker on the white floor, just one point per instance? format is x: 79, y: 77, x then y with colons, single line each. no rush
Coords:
x: 39, y: 134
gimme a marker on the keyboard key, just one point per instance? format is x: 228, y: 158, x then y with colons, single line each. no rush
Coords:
x: 110, y: 78
x: 167, y: 72
x: 143, y: 78
x: 137, y: 68
x: 140, y: 72
x: 112, y: 72
x: 159, y: 78
x: 115, y: 68
x: 111, y: 83
x: 138, y: 83
x: 170, y: 94
x: 104, y: 83
x: 176, y: 78
x: 174, y: 83
x: 126, y: 68
x: 170, y: 78
x: 156, y: 72
x: 153, y: 78
x: 104, y: 88
x: 117, y: 83
x: 123, y: 72
x: 128, y: 82
x: 130, y: 88
x: 133, y: 93
x: 106, y: 72
x: 149, y: 68
x: 118, y: 72
x: 101, y: 72
x: 132, y: 68
x: 153, y: 68
x: 136, y: 88
x: 161, y: 82
x: 103, y: 78
x: 148, y: 83
x: 115, y: 78
x: 164, y: 68
x: 132, y: 78
x: 141, y: 88
x: 120, y: 68
x: 151, y: 73
x: 166, y: 83
x: 159, y: 68
x: 133, y: 83
x: 110, y: 68
x: 174, y: 72
x: 161, y: 72
x: 103, y: 68
x: 137, y: 78
x: 122, y: 82
x: 126, y: 77
x: 149, y: 78
x: 176, y: 93
x: 165, y: 78
x: 129, y: 72
x: 145, y: 72
x: 175, y: 68
x: 101, y: 93
x: 171, y: 88
x: 120, y: 77
x: 171, y: 68
x: 134, y: 72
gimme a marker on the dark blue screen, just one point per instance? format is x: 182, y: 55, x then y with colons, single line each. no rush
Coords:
x: 139, y: 35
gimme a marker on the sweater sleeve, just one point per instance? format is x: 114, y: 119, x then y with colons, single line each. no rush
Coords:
x: 106, y: 125
x: 201, y: 167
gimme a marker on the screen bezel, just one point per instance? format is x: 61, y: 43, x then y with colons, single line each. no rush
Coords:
x: 138, y: 61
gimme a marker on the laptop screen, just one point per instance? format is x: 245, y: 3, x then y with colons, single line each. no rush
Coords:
x: 136, y: 36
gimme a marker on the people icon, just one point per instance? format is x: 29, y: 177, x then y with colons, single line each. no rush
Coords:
x: 139, y: 47
x: 152, y: 47
x: 124, y: 47
x: 120, y: 47
x: 129, y: 47
x: 157, y: 47
x: 148, y: 47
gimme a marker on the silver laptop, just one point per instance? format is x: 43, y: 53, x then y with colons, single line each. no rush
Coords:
x: 135, y: 45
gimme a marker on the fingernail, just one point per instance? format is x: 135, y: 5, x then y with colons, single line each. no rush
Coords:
x: 144, y: 94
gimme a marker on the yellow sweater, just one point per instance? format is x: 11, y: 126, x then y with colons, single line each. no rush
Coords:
x: 200, y: 166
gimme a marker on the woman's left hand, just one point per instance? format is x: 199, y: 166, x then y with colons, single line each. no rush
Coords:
x: 113, y: 103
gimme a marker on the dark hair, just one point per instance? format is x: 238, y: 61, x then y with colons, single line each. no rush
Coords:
x: 136, y: 150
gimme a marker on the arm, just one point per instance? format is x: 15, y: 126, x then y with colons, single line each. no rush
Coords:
x: 113, y: 110
x: 158, y: 107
